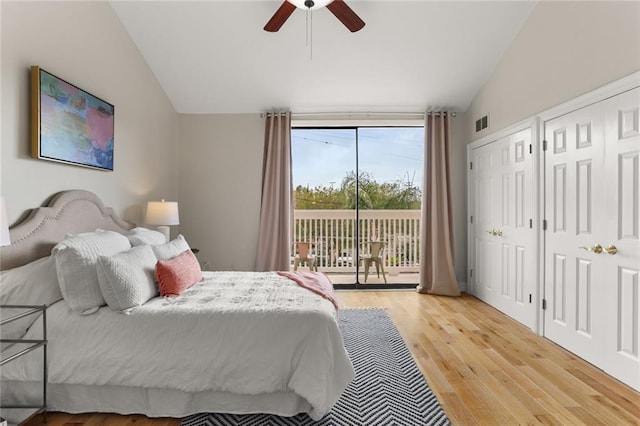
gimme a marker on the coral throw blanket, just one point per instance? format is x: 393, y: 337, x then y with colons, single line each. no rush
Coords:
x: 317, y: 282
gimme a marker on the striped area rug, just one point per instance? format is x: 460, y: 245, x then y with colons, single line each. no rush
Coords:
x: 388, y: 389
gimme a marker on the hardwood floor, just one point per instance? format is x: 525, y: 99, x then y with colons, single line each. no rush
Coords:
x: 485, y: 368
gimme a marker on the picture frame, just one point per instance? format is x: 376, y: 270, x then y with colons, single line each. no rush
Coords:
x: 70, y: 125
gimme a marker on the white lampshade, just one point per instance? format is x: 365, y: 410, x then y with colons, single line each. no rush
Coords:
x: 5, y: 238
x: 162, y: 213
x: 318, y: 3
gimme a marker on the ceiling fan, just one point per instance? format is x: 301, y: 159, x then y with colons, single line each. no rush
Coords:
x: 338, y: 7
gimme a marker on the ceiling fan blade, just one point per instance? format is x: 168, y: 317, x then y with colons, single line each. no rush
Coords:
x: 346, y: 15
x: 280, y: 17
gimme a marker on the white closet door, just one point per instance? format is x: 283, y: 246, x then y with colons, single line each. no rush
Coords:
x: 621, y: 216
x: 515, y: 230
x: 574, y: 168
x: 487, y: 199
x: 503, y: 239
x: 591, y: 202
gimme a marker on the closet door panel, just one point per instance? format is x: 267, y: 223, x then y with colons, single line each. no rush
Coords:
x: 592, y: 243
x: 573, y: 275
x: 621, y: 213
x: 502, y: 207
x: 489, y: 210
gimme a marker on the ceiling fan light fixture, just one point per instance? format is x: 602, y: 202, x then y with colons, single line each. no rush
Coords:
x: 317, y: 4
x: 339, y: 8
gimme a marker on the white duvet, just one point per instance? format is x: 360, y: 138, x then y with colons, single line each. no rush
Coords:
x: 245, y: 333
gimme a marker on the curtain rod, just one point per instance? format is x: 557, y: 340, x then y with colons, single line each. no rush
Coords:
x: 356, y: 114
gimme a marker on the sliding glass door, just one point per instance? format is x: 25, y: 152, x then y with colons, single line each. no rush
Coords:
x: 357, y: 195
x: 324, y: 208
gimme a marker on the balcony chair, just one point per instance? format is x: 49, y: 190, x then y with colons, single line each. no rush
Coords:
x: 376, y: 248
x: 304, y: 255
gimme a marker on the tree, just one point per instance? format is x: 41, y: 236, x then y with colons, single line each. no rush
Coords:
x: 320, y: 197
x: 371, y: 195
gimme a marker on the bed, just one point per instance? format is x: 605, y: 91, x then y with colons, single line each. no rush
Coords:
x: 236, y: 342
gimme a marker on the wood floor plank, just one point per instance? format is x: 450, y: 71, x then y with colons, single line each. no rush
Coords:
x: 459, y: 409
x: 628, y: 401
x: 478, y: 409
x: 585, y: 417
x: 526, y: 398
x: 485, y: 368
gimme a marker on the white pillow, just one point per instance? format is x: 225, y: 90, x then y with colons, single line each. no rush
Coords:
x: 76, y: 258
x: 171, y: 249
x: 127, y: 279
x: 139, y: 236
x: 35, y: 283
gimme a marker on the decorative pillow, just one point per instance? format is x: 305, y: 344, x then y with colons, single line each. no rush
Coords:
x: 126, y: 279
x: 139, y: 236
x: 178, y: 274
x: 35, y: 283
x: 76, y: 258
x: 171, y: 249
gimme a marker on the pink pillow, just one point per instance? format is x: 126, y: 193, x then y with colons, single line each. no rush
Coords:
x: 178, y: 274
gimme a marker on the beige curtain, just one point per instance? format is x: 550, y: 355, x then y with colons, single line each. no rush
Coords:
x: 437, y: 275
x: 274, y: 239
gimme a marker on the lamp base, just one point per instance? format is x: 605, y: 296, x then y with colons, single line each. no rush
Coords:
x: 166, y: 231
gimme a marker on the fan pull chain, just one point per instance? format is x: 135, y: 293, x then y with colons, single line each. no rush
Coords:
x: 309, y: 32
x: 306, y: 29
x: 311, y: 35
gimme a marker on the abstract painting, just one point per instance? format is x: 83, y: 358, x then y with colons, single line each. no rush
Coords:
x: 68, y: 124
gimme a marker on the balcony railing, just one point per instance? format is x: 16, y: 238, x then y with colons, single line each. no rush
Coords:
x: 333, y: 232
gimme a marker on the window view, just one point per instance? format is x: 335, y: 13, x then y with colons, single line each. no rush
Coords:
x: 357, y: 196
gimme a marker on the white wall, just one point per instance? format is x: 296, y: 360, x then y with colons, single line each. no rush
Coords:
x: 565, y: 49
x: 85, y: 44
x: 220, y: 179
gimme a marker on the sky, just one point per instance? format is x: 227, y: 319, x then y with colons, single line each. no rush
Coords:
x: 323, y: 157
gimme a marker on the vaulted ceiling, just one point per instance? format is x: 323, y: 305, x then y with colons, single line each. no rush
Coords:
x: 215, y: 57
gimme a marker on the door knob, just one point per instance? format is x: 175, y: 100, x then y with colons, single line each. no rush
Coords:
x: 597, y: 249
x: 611, y: 249
x: 498, y: 233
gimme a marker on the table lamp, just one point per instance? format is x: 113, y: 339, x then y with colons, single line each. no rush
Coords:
x: 162, y: 214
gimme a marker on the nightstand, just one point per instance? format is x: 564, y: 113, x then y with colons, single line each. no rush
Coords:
x: 21, y: 347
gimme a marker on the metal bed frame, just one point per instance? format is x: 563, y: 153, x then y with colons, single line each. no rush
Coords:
x: 33, y: 344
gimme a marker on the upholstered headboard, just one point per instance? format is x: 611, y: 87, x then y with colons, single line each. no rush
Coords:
x: 67, y: 212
